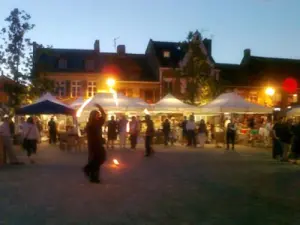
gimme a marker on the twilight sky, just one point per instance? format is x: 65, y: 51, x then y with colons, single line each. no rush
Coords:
x: 268, y: 27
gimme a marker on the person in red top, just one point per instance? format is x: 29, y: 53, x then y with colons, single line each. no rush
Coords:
x: 96, y: 150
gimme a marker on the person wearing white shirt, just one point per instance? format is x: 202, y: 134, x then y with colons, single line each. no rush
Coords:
x: 191, y: 127
x: 7, y: 141
x: 31, y: 138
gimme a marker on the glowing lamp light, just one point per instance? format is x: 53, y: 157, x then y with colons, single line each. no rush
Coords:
x: 116, y: 162
x: 290, y: 85
x: 146, y: 112
x: 79, y: 111
x: 270, y: 91
x: 110, y: 82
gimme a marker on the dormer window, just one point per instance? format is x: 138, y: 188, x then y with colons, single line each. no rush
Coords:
x: 62, y: 64
x: 166, y: 54
x: 89, y: 65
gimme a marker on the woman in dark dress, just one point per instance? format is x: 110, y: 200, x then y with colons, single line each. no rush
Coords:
x: 97, y: 153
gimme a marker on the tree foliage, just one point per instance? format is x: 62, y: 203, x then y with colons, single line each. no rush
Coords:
x: 202, y: 85
x: 16, y: 58
x: 13, y: 54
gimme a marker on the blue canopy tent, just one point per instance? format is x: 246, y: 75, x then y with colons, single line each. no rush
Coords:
x: 45, y: 107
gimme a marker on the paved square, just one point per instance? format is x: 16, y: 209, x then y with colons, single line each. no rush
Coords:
x: 176, y: 186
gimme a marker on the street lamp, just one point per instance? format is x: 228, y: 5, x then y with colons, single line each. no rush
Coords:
x: 270, y: 91
x: 110, y: 82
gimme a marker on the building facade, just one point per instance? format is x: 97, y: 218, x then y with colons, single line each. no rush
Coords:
x: 83, y: 73
x: 262, y: 79
x: 150, y: 76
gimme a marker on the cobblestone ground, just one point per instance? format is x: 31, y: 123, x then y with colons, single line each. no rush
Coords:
x: 176, y: 186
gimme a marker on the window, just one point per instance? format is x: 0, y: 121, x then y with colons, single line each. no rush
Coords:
x: 61, y: 88
x: 129, y: 92
x: 62, y: 64
x: 149, y: 96
x: 89, y: 65
x: 166, y: 54
x: 168, y: 87
x: 122, y: 91
x: 253, y: 97
x: 92, y: 88
x: 76, y: 88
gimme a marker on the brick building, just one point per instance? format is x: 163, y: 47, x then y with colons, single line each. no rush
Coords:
x: 81, y: 73
x: 255, y: 74
x: 152, y: 75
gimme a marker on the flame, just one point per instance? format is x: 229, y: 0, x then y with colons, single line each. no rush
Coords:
x: 116, y: 162
x: 79, y: 111
x: 115, y: 96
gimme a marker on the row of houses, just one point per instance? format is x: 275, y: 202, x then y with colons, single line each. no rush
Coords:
x: 82, y: 72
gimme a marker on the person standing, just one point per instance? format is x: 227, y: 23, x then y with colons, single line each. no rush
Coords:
x: 230, y: 134
x: 286, y: 139
x: 96, y: 150
x: 133, y: 130
x: 6, y: 135
x: 122, y: 126
x: 149, y: 136
x: 31, y: 136
x: 295, y: 148
x: 52, y: 131
x: 202, y: 133
x: 166, y: 128
x: 112, y: 130
x: 184, y: 131
x: 276, y: 134
x: 191, y: 127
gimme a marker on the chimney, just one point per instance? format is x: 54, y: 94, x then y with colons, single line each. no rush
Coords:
x: 207, y: 44
x: 97, y: 46
x: 121, y: 49
x: 247, y: 53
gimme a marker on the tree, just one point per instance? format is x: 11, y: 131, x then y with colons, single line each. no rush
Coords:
x: 13, y: 54
x: 17, y: 57
x: 38, y: 84
x: 202, y: 85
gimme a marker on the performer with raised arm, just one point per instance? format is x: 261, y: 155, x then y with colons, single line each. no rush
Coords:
x: 96, y: 150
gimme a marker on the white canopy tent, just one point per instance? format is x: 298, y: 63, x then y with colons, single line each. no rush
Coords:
x: 295, y: 111
x: 233, y: 103
x: 49, y: 97
x: 171, y: 104
x: 119, y: 104
x: 77, y: 103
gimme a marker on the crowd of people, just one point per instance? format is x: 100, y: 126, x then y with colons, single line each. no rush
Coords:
x: 286, y: 139
x: 285, y: 134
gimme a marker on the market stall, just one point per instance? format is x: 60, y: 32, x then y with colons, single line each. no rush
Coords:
x: 174, y: 109
x: 47, y: 106
x: 231, y: 105
x: 294, y: 112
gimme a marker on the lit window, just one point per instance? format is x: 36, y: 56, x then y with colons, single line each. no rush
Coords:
x: 62, y: 64
x: 129, y: 92
x: 166, y: 54
x: 92, y: 88
x: 76, y: 88
x: 61, y: 88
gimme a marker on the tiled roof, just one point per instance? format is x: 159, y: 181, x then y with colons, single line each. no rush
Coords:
x: 272, y: 69
x: 48, y: 59
x: 127, y: 66
x: 176, y: 54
